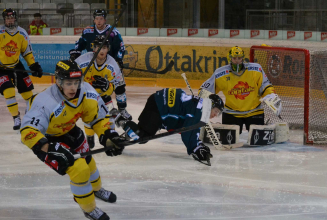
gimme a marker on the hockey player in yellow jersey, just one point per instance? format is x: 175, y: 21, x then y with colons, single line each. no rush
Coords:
x: 14, y: 41
x: 244, y: 85
x: 105, y: 76
x: 49, y: 129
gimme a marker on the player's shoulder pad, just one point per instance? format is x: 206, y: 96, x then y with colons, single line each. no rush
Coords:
x: 222, y: 71
x: 45, y: 100
x: 84, y: 60
x: 22, y: 32
x: 88, y: 30
x: 90, y: 92
x: 253, y: 67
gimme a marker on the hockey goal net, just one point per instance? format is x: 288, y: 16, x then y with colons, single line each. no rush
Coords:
x: 299, y: 77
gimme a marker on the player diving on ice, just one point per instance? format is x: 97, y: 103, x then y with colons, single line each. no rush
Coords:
x: 49, y: 129
x: 105, y: 76
x: 245, y: 86
x: 172, y: 109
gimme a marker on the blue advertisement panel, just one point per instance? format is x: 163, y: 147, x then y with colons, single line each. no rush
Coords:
x: 48, y: 55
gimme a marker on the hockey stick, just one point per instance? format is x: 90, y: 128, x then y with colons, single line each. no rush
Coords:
x: 211, y: 132
x: 168, y: 68
x: 20, y: 70
x: 148, y: 138
x: 107, y: 36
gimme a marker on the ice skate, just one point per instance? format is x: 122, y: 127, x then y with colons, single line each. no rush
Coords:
x: 105, y: 195
x: 96, y: 214
x: 17, y: 122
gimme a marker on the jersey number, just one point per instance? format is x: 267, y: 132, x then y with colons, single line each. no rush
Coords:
x: 37, y: 121
x: 105, y: 109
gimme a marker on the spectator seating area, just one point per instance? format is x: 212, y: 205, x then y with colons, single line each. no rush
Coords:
x: 56, y: 13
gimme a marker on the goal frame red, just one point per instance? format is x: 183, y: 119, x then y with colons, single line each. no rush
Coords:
x: 306, y: 82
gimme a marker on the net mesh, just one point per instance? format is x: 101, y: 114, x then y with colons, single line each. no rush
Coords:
x: 286, y: 69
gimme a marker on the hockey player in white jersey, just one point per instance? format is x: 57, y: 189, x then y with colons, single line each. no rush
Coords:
x: 49, y: 129
x: 105, y: 76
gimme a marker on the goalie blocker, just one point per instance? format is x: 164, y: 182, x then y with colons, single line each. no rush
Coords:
x: 258, y: 134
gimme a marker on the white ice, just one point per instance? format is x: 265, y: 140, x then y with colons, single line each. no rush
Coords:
x: 158, y: 180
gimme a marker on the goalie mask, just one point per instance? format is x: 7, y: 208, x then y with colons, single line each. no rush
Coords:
x: 237, y: 68
x: 67, y: 69
x: 8, y: 14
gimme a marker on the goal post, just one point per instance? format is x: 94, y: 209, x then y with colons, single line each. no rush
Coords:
x: 299, y: 78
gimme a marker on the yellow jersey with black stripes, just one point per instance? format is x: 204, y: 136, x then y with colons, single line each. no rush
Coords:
x: 51, y: 114
x: 242, y: 92
x: 12, y: 45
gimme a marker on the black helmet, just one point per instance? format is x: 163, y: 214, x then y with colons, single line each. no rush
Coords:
x: 100, y: 12
x: 99, y: 40
x: 217, y: 102
x: 67, y: 69
x: 10, y: 13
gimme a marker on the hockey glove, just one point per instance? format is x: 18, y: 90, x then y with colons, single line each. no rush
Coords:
x: 273, y: 102
x: 74, y: 54
x: 110, y: 139
x: 38, y: 72
x: 59, y: 157
x: 100, y: 83
x: 201, y: 153
x: 217, y: 102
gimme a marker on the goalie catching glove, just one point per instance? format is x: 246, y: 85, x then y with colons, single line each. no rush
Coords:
x: 273, y: 102
x: 110, y: 139
x: 201, y: 153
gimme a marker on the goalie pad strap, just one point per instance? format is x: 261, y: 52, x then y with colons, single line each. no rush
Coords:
x: 261, y: 134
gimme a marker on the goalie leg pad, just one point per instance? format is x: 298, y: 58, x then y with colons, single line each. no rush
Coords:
x: 227, y: 134
x: 282, y: 132
x: 261, y: 135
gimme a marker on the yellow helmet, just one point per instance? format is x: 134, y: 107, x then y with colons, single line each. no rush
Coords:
x: 235, y: 52
x: 265, y: 45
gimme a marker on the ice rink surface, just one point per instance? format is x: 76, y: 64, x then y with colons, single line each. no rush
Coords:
x: 158, y: 180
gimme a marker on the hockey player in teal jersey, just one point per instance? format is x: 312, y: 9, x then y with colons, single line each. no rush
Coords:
x: 117, y: 48
x: 172, y: 109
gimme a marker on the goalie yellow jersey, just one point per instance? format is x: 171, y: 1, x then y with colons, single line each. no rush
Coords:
x: 242, y: 92
x: 13, y: 44
x: 109, y: 70
x: 50, y: 113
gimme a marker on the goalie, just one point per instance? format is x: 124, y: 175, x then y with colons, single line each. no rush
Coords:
x: 245, y: 86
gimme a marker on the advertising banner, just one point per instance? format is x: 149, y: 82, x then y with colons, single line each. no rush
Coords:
x: 48, y: 55
x: 198, y: 62
x: 170, y: 32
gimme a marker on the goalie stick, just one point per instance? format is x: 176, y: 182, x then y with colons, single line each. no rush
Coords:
x: 210, y: 131
x: 107, y: 36
x: 168, y: 68
x: 148, y: 138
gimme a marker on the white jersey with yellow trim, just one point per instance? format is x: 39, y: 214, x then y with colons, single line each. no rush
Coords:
x: 242, y: 92
x: 50, y: 113
x: 12, y: 45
